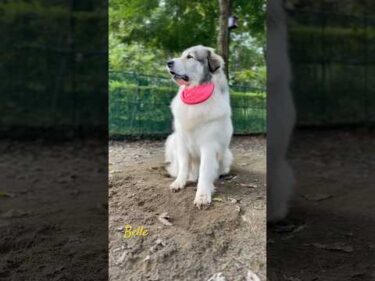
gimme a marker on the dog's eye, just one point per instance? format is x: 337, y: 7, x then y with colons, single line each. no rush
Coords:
x: 189, y: 57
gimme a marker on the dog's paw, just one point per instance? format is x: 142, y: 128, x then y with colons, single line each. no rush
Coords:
x: 202, y: 199
x: 177, y: 185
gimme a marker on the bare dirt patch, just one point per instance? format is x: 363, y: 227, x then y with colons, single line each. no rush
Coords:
x: 228, y: 237
x: 330, y: 233
x: 53, y: 212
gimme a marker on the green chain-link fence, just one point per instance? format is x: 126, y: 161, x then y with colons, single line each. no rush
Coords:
x: 139, y: 106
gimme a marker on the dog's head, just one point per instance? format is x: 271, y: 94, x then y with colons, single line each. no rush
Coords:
x: 195, y: 66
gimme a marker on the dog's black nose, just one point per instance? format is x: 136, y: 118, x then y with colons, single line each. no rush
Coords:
x: 170, y: 63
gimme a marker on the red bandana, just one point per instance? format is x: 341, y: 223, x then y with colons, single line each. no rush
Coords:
x: 197, y: 94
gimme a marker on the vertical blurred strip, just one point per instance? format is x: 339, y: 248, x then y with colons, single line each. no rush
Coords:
x: 53, y: 140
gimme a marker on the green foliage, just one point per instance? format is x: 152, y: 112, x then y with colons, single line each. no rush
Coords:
x: 255, y: 76
x: 169, y: 25
x: 252, y: 16
x: 144, y: 34
x: 175, y: 25
x: 137, y: 57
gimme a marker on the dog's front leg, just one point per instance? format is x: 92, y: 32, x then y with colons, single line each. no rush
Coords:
x: 183, y: 166
x: 208, y: 171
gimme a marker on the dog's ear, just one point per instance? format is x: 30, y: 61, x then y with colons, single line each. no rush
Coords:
x: 214, y: 61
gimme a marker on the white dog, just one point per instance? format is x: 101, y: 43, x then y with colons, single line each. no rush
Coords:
x: 198, y: 149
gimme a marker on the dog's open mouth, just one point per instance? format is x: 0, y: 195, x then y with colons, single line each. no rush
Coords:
x: 178, y: 76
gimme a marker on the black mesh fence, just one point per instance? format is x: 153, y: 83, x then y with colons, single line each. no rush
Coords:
x: 333, y: 62
x: 53, y: 68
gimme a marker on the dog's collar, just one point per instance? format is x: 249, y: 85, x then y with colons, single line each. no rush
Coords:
x: 197, y: 94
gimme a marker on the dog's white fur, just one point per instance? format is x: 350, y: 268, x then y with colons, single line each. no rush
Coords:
x: 198, y: 149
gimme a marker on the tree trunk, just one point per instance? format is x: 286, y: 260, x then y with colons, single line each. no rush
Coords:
x: 223, y: 36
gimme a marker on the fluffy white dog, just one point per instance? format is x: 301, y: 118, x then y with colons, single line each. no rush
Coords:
x: 198, y: 149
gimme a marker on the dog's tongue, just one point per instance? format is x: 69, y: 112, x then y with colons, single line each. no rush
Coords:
x: 197, y: 94
x: 181, y: 82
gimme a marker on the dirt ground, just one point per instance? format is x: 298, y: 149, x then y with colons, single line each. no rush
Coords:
x: 330, y: 233
x: 53, y: 205
x: 53, y: 211
x: 228, y: 238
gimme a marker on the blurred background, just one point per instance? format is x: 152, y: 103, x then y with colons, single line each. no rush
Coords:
x: 333, y: 53
x: 53, y: 140
x: 53, y: 68
x: 330, y: 231
x: 144, y: 34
